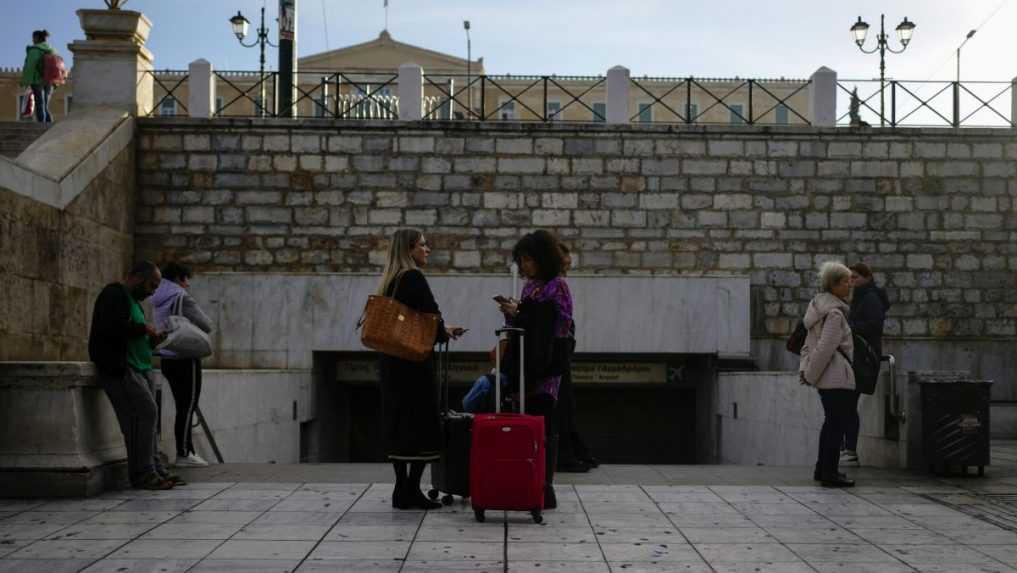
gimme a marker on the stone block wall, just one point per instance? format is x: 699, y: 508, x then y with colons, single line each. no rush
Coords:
x: 934, y: 212
x: 54, y: 262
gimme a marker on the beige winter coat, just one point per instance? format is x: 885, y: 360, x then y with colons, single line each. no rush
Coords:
x: 822, y: 365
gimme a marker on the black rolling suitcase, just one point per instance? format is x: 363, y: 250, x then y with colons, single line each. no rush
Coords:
x: 450, y: 475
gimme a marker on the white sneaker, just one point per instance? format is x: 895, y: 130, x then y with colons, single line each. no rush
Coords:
x: 849, y: 459
x: 191, y: 460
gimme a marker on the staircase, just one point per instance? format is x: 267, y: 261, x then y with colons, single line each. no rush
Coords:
x: 16, y: 136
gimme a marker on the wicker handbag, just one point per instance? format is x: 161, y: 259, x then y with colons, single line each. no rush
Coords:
x: 392, y: 328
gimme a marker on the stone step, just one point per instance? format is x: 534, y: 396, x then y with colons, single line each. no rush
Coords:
x: 15, y: 137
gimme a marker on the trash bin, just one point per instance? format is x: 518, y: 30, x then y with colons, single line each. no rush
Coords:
x: 955, y: 422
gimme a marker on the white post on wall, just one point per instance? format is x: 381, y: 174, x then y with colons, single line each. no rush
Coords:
x: 201, y: 89
x: 411, y: 92
x: 618, y: 88
x: 823, y: 98
x: 1013, y: 102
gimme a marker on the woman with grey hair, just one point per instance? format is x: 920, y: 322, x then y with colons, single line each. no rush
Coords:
x: 826, y: 366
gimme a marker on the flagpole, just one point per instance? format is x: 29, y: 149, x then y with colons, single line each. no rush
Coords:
x: 386, y: 14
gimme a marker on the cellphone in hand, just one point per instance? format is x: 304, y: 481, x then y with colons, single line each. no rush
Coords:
x: 501, y: 299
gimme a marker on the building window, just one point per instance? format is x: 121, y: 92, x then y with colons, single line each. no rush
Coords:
x: 600, y: 112
x: 506, y: 109
x: 68, y: 102
x: 692, y: 113
x: 782, y: 114
x: 168, y: 107
x: 645, y: 112
x: 554, y: 111
x: 737, y: 114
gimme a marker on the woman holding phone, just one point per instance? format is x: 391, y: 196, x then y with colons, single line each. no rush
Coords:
x: 408, y: 394
x: 545, y: 306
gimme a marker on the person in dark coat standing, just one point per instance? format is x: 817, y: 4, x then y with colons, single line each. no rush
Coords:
x: 409, y: 397
x: 869, y: 304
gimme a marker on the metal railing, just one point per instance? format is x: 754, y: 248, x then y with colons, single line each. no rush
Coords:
x: 902, y: 103
x: 166, y: 84
x: 532, y: 98
x: 691, y: 100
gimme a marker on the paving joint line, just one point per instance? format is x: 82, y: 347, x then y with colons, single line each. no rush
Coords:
x: 337, y: 522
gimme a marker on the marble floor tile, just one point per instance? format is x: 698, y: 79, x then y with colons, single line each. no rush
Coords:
x: 20, y: 504
x: 43, y: 565
x: 246, y: 565
x: 762, y: 567
x: 553, y: 552
x: 938, y: 555
x: 837, y: 567
x: 369, y: 550
x: 874, y: 522
x: 315, y: 505
x: 660, y: 567
x: 674, y: 497
x: 726, y: 535
x: 234, y: 493
x: 984, y: 537
x: 698, y: 508
x: 219, y: 517
x: 550, y: 534
x: 50, y: 517
x: 159, y: 504
x: 267, y: 486
x: 133, y: 517
x: 724, y: 520
x: 260, y: 549
x: 750, y: 508
x: 716, y: 553
x: 648, y: 552
x: 283, y: 532
x: 828, y: 534
x: 342, y: 532
x: 193, y: 531
x: 902, y: 536
x: 557, y: 567
x: 456, y: 551
x: 350, y: 566
x: 841, y: 553
x: 464, y: 533
x: 858, y: 508
x: 29, y: 530
x: 964, y: 568
x: 406, y: 518
x: 1003, y: 553
x: 8, y: 546
x: 633, y: 520
x: 486, y: 566
x: 102, y: 531
x: 624, y: 496
x: 165, y: 549
x: 923, y: 510
x: 67, y: 549
x: 594, y: 508
x: 627, y: 535
x: 141, y: 566
x: 791, y: 521
x: 219, y: 504
x: 80, y: 505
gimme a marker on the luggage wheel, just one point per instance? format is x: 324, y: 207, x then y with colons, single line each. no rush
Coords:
x: 447, y: 499
x: 479, y: 514
x: 433, y: 494
x: 537, y: 517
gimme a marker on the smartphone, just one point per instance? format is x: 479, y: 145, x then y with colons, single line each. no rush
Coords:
x: 500, y: 299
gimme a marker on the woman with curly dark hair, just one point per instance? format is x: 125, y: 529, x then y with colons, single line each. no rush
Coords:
x: 544, y: 310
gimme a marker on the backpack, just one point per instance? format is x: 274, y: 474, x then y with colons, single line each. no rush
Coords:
x: 54, y: 73
x: 796, y: 341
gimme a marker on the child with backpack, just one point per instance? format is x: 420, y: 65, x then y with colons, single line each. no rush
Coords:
x: 43, y: 71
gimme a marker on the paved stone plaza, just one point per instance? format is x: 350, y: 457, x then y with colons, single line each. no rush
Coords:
x: 617, y: 518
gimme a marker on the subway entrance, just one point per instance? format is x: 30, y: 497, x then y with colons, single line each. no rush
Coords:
x: 630, y: 408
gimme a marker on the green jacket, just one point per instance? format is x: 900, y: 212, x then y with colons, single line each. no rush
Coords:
x: 31, y: 74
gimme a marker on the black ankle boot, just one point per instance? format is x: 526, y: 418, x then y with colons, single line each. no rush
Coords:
x: 550, y: 499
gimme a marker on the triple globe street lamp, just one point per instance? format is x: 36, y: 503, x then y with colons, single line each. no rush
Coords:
x: 240, y: 27
x: 904, y: 32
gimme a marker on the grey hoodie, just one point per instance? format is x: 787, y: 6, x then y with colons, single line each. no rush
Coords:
x: 824, y: 363
x: 163, y: 301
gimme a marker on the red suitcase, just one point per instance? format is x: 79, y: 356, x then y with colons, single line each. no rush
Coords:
x: 507, y: 453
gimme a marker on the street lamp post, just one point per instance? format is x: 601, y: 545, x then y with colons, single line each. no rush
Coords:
x: 966, y: 38
x: 240, y: 27
x: 469, y: 70
x: 904, y: 31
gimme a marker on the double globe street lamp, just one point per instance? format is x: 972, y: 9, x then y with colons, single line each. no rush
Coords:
x: 240, y: 27
x: 904, y: 32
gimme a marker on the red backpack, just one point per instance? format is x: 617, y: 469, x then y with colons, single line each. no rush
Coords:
x: 54, y: 73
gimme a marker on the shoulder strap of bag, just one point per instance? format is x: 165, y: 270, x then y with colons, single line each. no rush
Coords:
x: 363, y: 315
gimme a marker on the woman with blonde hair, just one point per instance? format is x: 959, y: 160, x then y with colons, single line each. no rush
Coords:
x: 408, y: 394
x: 826, y: 365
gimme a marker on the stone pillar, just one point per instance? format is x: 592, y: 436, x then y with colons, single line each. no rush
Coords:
x: 201, y: 89
x: 60, y: 435
x: 411, y: 92
x: 618, y: 88
x: 111, y: 64
x: 823, y: 98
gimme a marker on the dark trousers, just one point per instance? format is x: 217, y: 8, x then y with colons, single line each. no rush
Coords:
x: 133, y: 398
x: 544, y: 405
x: 184, y: 377
x: 853, y: 426
x: 837, y: 406
x: 42, y: 93
x: 571, y: 446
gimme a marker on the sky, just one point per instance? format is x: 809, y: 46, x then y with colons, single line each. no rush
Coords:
x: 715, y: 38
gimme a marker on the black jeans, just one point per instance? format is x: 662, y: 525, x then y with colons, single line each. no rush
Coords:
x: 837, y: 407
x: 853, y: 426
x: 184, y: 377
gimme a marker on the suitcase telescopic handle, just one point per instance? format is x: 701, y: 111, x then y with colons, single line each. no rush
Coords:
x: 506, y: 331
